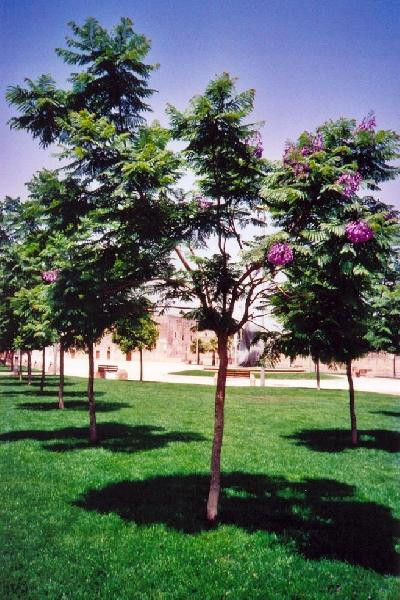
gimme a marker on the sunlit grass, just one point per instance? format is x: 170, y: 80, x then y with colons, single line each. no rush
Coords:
x: 303, y: 515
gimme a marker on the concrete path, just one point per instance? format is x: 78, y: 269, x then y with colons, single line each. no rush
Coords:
x: 161, y: 371
x: 364, y: 384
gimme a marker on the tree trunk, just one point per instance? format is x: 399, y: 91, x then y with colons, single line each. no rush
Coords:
x: 61, y: 381
x: 12, y: 361
x: 215, y: 482
x: 29, y: 367
x: 43, y: 370
x: 141, y: 363
x: 55, y: 353
x: 318, y: 374
x: 213, y: 358
x: 353, y: 419
x: 91, y: 401
x: 394, y: 365
x: 20, y: 365
x: 262, y: 377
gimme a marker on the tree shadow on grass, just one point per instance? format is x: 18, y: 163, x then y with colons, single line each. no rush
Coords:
x: 14, y: 381
x: 73, y: 404
x: 385, y: 413
x: 54, y: 382
x: 47, y: 394
x: 116, y: 437
x: 337, y: 440
x: 321, y: 516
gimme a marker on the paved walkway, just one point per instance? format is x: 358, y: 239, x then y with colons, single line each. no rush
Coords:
x: 162, y: 372
x: 364, y: 384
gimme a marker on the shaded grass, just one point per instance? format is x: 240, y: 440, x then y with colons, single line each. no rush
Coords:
x: 303, y: 515
x: 268, y: 374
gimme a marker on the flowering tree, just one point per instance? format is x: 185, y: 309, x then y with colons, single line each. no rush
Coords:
x: 225, y: 154
x: 342, y: 242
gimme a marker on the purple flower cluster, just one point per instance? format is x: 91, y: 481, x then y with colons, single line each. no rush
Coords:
x: 358, y: 232
x: 350, y: 183
x: 391, y: 216
x: 318, y: 143
x: 255, y: 141
x: 289, y: 149
x: 50, y: 276
x: 280, y: 253
x: 300, y: 168
x: 368, y: 123
x: 315, y: 144
x: 291, y: 159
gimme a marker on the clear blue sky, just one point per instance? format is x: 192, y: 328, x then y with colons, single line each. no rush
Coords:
x: 309, y: 60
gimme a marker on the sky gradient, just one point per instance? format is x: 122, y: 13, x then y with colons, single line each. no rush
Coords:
x: 309, y: 60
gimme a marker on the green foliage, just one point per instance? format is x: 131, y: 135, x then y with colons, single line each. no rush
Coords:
x: 112, y: 84
x: 32, y: 310
x: 384, y: 327
x: 42, y: 105
x: 229, y: 173
x: 198, y: 346
x: 114, y: 80
x: 227, y: 168
x: 273, y: 347
x: 136, y: 332
x: 110, y: 220
x: 313, y: 197
x: 11, y: 268
x: 324, y: 304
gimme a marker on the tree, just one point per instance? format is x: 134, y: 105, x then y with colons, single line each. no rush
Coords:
x: 31, y: 307
x: 42, y: 105
x: 111, y: 215
x: 113, y: 83
x: 10, y: 272
x: 198, y: 346
x: 212, y: 346
x: 136, y: 332
x: 225, y: 154
x: 342, y: 242
x: 384, y: 331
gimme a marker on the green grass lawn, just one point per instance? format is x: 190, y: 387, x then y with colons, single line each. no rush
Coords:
x: 268, y: 375
x: 303, y: 516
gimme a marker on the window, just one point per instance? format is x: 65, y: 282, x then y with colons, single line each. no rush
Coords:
x: 128, y: 356
x: 108, y: 353
x: 97, y: 353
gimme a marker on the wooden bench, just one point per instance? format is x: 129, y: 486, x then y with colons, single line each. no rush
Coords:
x: 237, y: 373
x: 359, y: 372
x: 108, y: 368
x: 103, y: 369
x: 242, y: 373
